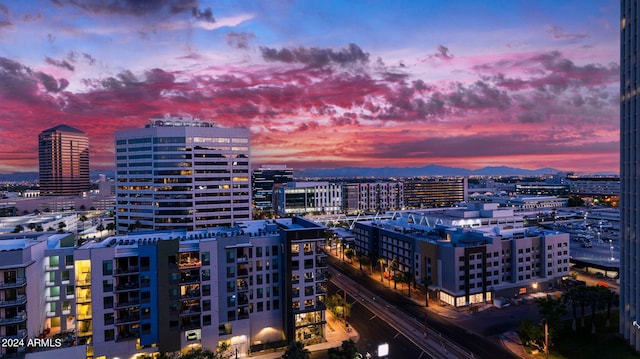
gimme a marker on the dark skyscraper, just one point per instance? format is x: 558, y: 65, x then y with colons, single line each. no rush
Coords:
x: 263, y: 180
x: 64, y: 161
x: 629, y: 179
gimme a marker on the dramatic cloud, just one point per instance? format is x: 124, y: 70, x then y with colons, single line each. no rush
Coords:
x: 140, y: 8
x: 315, y: 57
x: 4, y: 17
x: 60, y: 63
x: 239, y: 40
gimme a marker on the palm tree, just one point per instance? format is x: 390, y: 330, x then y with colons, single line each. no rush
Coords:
x: 296, y: 350
x: 31, y: 226
x: 365, y: 261
x: 427, y: 282
x: 111, y: 227
x: 18, y: 229
x: 611, y: 298
x: 573, y: 298
x: 596, y: 298
x: 406, y: 278
x: 83, y: 219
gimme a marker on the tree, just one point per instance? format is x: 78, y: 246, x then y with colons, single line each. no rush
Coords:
x: 532, y: 335
x: 427, y: 282
x: 366, y: 261
x: 596, y: 300
x: 349, y: 254
x: 406, y: 278
x: 221, y: 352
x: 39, y: 228
x: 397, y: 277
x: 18, y: 229
x: 573, y: 297
x: 611, y: 298
x: 296, y: 350
x: 61, y: 226
x: 111, y: 227
x: 31, y: 226
x: 83, y: 219
x: 347, y: 350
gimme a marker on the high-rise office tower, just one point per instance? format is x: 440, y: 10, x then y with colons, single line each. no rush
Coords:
x: 182, y: 173
x: 629, y: 179
x: 64, y: 161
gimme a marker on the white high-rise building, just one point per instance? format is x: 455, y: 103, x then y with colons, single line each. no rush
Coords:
x: 629, y: 180
x: 182, y: 173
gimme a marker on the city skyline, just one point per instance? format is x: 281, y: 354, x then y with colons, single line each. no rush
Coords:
x: 331, y: 84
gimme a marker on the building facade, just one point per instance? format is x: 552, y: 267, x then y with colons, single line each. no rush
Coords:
x: 63, y: 153
x: 263, y: 181
x: 182, y: 173
x: 465, y: 266
x: 434, y: 192
x: 257, y: 285
x: 297, y: 198
x: 372, y: 196
x: 629, y: 179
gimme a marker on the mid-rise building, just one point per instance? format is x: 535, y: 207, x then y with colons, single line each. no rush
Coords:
x: 434, y: 192
x: 63, y: 153
x: 372, y: 196
x: 297, y: 198
x: 257, y: 285
x: 182, y: 173
x: 602, y: 190
x: 629, y: 179
x: 263, y: 181
x: 464, y: 266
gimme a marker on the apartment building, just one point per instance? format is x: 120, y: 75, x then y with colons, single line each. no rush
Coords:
x: 297, y: 198
x: 372, y: 197
x: 252, y: 286
x: 466, y: 266
x: 434, y: 192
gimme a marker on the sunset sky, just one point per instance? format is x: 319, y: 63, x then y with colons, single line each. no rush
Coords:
x: 323, y: 84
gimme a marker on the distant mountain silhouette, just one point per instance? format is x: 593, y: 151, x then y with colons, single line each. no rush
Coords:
x: 430, y: 170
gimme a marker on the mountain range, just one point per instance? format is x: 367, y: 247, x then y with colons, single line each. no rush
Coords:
x: 361, y: 172
x: 429, y: 170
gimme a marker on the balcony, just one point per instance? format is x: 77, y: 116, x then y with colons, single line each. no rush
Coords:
x: 125, y: 304
x: 127, y: 319
x: 83, y: 299
x: 125, y: 271
x: 189, y: 263
x: 19, y: 300
x: 21, y: 317
x: 19, y: 282
x: 127, y: 286
x: 127, y: 336
x: 194, y: 293
x: 194, y: 309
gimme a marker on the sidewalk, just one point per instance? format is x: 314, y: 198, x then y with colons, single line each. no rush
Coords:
x: 335, y: 334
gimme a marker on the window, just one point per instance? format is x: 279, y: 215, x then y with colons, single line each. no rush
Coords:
x: 206, y: 259
x: 206, y: 320
x: 260, y: 307
x: 206, y: 304
x: 108, y: 318
x: 68, y: 260
x: 231, y: 315
x: 107, y: 285
x: 107, y: 267
x: 146, y: 328
x: 109, y: 335
x: 258, y: 251
x: 276, y: 304
x: 108, y: 302
x: 64, y: 275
